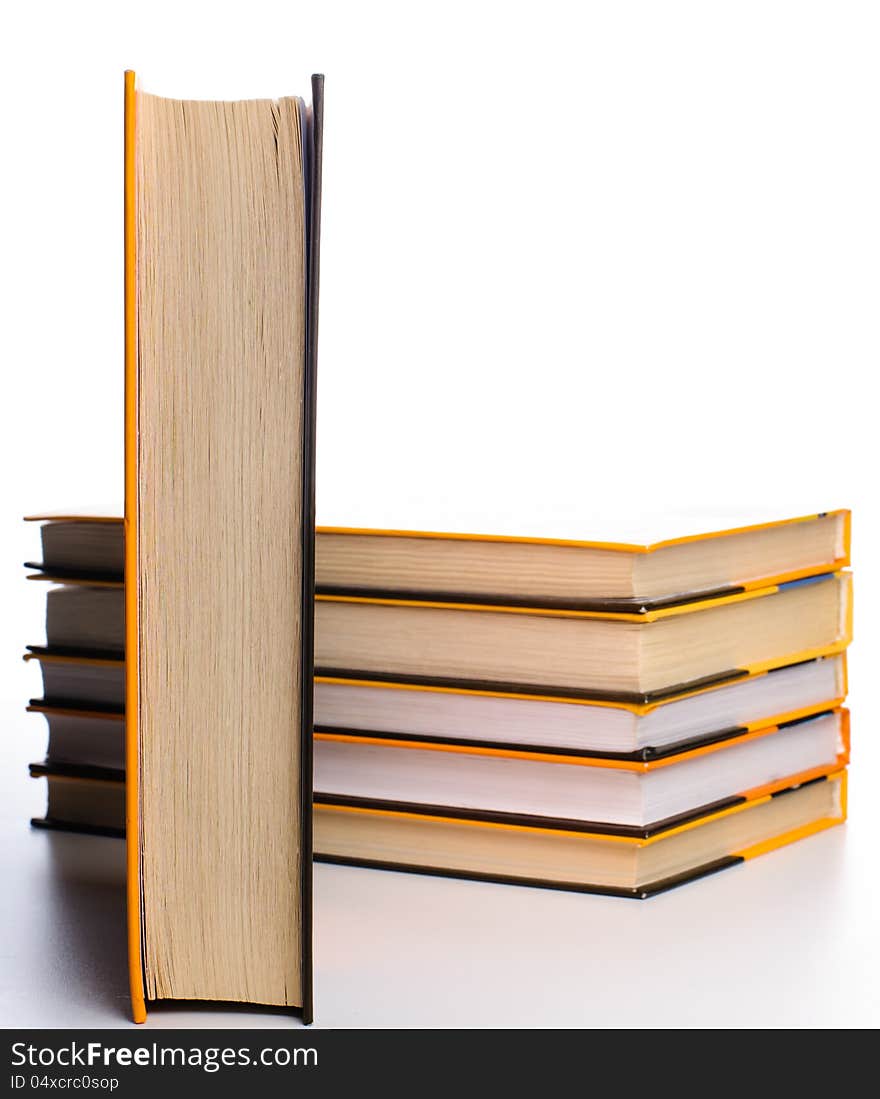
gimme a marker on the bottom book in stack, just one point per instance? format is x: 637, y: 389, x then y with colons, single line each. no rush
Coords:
x: 557, y: 855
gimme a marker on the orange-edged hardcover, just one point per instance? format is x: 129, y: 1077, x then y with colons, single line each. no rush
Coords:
x: 634, y: 762
x: 663, y: 831
x: 583, y: 759
x: 648, y: 698
x: 393, y: 586
x: 313, y: 141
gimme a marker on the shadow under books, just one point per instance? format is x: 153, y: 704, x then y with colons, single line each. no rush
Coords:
x: 85, y: 938
x: 85, y: 941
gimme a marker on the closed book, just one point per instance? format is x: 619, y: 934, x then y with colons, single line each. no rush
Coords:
x: 627, y: 656
x: 550, y: 854
x: 222, y: 218
x: 581, y: 790
x: 559, y: 560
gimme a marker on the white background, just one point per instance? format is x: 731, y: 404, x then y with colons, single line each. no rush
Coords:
x: 624, y: 255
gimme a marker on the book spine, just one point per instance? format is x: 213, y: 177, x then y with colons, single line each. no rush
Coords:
x: 314, y: 146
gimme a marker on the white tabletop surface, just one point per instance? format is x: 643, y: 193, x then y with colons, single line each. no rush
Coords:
x: 786, y: 940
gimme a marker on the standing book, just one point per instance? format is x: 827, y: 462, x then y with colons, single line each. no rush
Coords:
x: 222, y: 221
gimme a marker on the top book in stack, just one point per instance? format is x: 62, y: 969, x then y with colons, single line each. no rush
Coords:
x: 553, y: 570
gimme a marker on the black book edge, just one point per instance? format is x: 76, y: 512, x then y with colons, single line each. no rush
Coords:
x: 82, y: 575
x: 85, y: 656
x: 638, y: 698
x: 630, y: 607
x: 50, y: 769
x: 524, y: 820
x: 55, y: 825
x: 642, y: 892
x: 73, y: 707
x: 552, y: 824
x: 637, y: 608
x: 640, y: 755
x: 315, y: 149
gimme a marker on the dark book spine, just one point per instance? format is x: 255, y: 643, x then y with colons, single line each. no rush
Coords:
x: 315, y: 146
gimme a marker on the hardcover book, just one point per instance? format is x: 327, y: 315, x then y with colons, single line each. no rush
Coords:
x: 556, y: 563
x: 222, y: 218
x: 557, y: 855
x: 574, y: 788
x: 638, y: 657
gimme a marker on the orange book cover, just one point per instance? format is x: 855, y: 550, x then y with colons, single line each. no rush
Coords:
x: 132, y: 793
x: 298, y: 348
x: 427, y: 821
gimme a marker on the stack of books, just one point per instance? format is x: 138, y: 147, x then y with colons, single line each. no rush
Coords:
x: 603, y: 717
x: 608, y: 717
